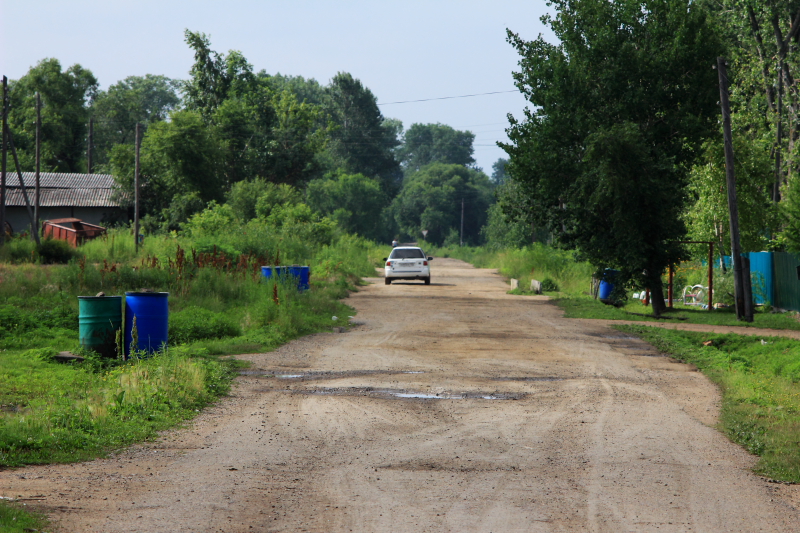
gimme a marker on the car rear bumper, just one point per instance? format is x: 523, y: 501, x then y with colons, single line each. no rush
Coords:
x: 413, y: 274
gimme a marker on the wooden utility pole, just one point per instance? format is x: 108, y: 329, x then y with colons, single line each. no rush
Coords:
x: 776, y: 191
x: 136, y: 194
x: 3, y: 165
x: 462, y: 221
x: 22, y: 186
x: 37, y: 190
x: 90, y: 146
x: 744, y: 309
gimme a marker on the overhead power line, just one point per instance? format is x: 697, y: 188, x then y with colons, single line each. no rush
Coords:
x: 448, y: 97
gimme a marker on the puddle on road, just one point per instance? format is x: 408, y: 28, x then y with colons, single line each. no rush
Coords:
x: 404, y: 394
x: 317, y: 375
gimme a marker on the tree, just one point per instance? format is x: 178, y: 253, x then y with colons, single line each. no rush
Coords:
x: 708, y: 217
x: 431, y: 199
x: 362, y: 141
x: 65, y: 96
x: 178, y: 157
x: 354, y: 201
x: 215, y: 77
x: 509, y: 223
x: 136, y: 99
x: 620, y: 109
x: 499, y: 174
x: 424, y: 144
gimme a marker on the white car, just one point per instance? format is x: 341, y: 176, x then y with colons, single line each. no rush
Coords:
x: 407, y: 262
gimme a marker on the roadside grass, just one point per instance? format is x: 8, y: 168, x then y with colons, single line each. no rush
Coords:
x: 567, y: 282
x: 536, y: 261
x: 760, y: 382
x: 584, y: 306
x: 16, y: 518
x: 220, y: 304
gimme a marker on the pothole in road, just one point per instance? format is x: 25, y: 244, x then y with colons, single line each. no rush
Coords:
x: 317, y: 375
x: 524, y: 378
x: 409, y: 395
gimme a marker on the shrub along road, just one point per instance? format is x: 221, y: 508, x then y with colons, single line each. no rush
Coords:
x: 449, y: 407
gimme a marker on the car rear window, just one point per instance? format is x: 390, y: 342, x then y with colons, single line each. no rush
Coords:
x: 410, y: 253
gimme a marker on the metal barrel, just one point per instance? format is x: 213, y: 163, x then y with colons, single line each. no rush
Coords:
x: 302, y: 274
x: 99, y: 319
x: 151, y: 311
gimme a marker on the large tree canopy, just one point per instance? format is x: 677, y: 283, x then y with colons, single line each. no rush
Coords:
x: 354, y: 201
x: 619, y: 112
x: 136, y: 99
x: 362, y: 140
x: 65, y: 96
x: 431, y: 200
x: 424, y: 144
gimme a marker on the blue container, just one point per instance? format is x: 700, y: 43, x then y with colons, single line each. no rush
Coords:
x: 607, y: 284
x: 277, y: 271
x: 301, y: 274
x: 151, y: 310
x: 605, y: 291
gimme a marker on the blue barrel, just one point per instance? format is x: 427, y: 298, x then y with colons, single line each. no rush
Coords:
x: 607, y: 284
x: 277, y: 271
x: 301, y: 274
x: 605, y: 291
x: 151, y: 310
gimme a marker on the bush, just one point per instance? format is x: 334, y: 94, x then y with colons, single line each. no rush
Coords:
x: 548, y: 285
x: 52, y: 251
x: 196, y: 323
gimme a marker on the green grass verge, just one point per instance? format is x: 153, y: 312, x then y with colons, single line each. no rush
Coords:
x: 17, y: 518
x: 760, y: 382
x: 582, y: 306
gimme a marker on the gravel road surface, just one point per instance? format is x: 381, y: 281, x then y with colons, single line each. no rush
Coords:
x: 452, y: 407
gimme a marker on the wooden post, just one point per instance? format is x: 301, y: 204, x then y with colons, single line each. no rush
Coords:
x: 136, y: 194
x: 669, y: 290
x: 4, y: 158
x: 37, y: 190
x: 462, y: 221
x: 22, y: 186
x: 733, y: 209
x: 710, y: 275
x: 90, y: 146
x: 776, y: 194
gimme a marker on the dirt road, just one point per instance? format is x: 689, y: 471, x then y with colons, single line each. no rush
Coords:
x: 449, y: 408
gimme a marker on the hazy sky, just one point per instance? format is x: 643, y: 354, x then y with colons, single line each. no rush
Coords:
x: 406, y: 50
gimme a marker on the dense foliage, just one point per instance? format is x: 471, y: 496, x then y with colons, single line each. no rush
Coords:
x: 621, y: 107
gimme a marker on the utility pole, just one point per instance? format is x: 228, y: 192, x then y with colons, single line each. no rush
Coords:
x: 22, y: 186
x: 744, y: 308
x: 136, y: 195
x: 90, y: 146
x: 462, y: 221
x: 3, y: 165
x: 776, y: 192
x: 37, y: 190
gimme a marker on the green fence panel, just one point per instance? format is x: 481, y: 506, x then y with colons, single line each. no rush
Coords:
x: 787, y: 284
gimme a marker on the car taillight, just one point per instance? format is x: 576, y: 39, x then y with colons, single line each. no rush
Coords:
x: 425, y: 263
x: 388, y: 263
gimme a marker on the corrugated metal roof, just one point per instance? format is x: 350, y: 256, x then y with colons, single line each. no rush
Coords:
x: 62, y: 180
x: 63, y: 197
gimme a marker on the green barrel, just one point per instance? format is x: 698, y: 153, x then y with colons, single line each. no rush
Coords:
x: 99, y: 319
